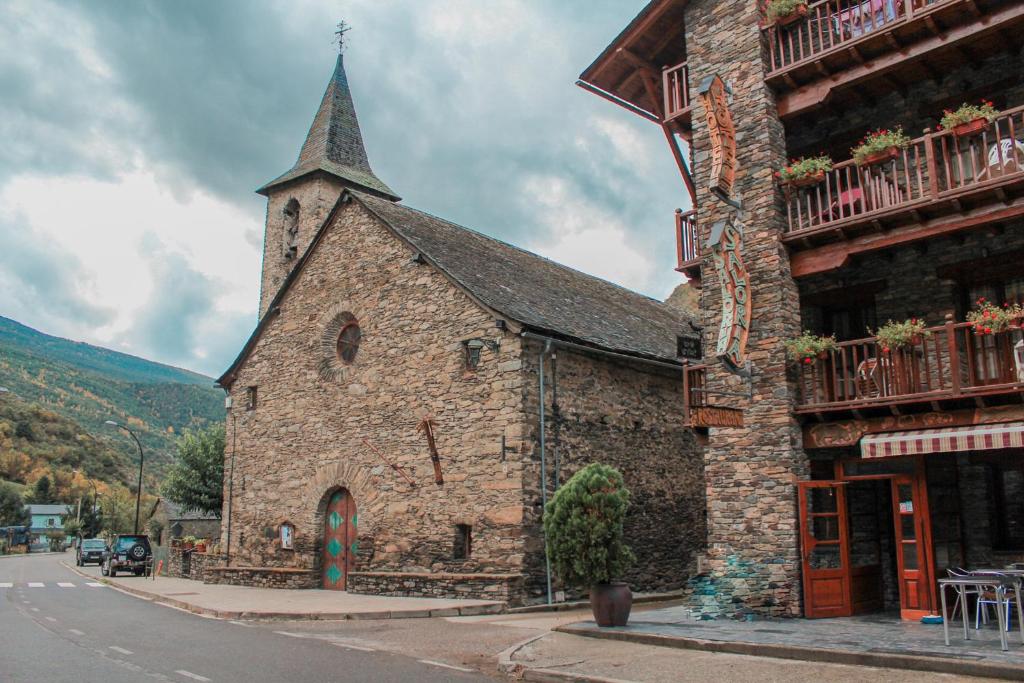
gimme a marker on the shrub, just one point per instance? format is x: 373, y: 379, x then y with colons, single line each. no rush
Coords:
x: 802, y: 167
x: 880, y: 140
x: 778, y: 9
x: 583, y: 527
x: 967, y: 113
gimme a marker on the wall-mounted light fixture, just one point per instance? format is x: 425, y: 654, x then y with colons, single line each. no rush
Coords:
x: 474, y: 347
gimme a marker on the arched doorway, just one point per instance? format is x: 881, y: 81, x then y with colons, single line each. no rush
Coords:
x: 340, y: 544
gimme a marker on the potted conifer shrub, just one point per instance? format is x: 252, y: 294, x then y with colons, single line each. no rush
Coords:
x: 583, y: 528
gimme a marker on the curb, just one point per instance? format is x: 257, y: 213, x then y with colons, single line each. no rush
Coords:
x: 811, y: 654
x: 667, y: 598
x: 520, y: 672
x: 468, y: 611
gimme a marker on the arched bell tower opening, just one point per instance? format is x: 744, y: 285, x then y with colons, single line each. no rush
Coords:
x: 290, y: 232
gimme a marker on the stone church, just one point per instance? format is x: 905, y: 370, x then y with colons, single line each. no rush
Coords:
x: 410, y: 384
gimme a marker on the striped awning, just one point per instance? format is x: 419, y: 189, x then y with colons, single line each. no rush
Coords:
x: 949, y: 440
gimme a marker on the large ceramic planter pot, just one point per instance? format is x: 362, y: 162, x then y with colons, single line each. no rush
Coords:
x: 965, y: 130
x: 611, y: 603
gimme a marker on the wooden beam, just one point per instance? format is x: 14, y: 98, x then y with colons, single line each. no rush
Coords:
x: 832, y: 256
x: 684, y: 168
x: 792, y: 103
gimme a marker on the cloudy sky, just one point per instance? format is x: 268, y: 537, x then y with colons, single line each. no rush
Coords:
x: 134, y: 133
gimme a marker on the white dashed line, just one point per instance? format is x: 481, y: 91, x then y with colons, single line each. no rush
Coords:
x: 37, y: 585
x: 123, y: 651
x: 443, y: 665
x: 6, y: 585
x: 50, y: 619
x: 290, y: 635
x: 64, y: 584
x: 354, y: 647
x: 189, y: 674
x: 241, y: 623
x: 76, y: 631
x: 94, y: 585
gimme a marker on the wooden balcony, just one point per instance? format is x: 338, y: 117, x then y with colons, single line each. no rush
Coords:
x: 695, y: 382
x: 866, y: 47
x: 687, y: 244
x: 675, y: 85
x: 937, y: 185
x: 948, y: 367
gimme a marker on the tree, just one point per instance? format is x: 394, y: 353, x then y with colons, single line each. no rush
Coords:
x: 41, y: 493
x: 118, y: 507
x: 92, y: 520
x: 583, y: 525
x: 196, y: 481
x: 72, y: 527
x: 13, y: 511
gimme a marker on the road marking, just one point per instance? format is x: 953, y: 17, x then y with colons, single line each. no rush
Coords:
x: 241, y: 623
x: 94, y: 585
x: 443, y: 665
x: 6, y: 585
x: 354, y: 647
x: 34, y: 609
x: 50, y: 619
x: 64, y: 584
x: 76, y: 631
x: 123, y: 651
x: 37, y: 585
x: 189, y: 674
x: 290, y: 635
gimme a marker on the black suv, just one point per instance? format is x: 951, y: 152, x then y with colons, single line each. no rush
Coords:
x: 90, y: 550
x: 128, y: 552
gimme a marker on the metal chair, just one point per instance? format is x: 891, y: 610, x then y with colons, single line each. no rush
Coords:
x: 987, y: 599
x: 961, y: 595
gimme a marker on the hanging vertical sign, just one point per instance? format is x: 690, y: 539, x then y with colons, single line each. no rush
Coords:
x: 726, y: 244
x: 714, y: 96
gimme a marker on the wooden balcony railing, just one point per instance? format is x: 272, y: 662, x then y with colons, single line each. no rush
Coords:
x: 934, y: 168
x: 832, y: 25
x: 676, y: 87
x: 949, y: 362
x: 687, y: 240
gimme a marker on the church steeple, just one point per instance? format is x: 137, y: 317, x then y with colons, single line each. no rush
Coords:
x: 334, y: 144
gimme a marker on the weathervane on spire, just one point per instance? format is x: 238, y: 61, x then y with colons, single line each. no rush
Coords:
x: 343, y: 28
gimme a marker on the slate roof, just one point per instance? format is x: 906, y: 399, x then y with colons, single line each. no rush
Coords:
x: 334, y: 143
x: 49, y: 509
x: 175, y: 513
x: 539, y: 293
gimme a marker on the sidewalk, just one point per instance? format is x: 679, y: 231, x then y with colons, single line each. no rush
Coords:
x: 241, y: 602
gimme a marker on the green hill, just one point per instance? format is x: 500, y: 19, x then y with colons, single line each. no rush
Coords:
x: 88, y: 385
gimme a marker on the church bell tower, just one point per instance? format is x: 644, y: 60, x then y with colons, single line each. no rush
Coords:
x: 332, y: 159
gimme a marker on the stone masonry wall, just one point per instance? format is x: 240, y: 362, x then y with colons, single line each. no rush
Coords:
x: 187, y: 564
x: 263, y: 577
x: 501, y: 588
x: 753, y: 555
x: 630, y: 417
x: 316, y: 195
x: 306, y: 436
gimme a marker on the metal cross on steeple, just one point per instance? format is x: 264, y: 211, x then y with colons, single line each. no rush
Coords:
x: 343, y: 28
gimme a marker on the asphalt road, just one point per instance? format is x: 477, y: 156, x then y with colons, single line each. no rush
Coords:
x: 55, y: 627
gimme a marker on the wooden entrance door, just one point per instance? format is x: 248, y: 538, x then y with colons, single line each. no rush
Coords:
x: 912, y: 538
x: 825, y: 547
x: 340, y: 544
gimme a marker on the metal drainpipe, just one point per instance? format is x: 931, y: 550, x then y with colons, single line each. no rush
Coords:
x: 543, y: 465
x: 556, y: 414
x: 231, y: 486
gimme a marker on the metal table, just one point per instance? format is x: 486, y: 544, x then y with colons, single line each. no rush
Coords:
x: 999, y: 582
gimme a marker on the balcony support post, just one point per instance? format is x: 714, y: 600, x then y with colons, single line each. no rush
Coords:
x: 933, y: 167
x: 954, y: 355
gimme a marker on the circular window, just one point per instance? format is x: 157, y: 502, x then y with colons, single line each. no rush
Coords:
x: 348, y: 342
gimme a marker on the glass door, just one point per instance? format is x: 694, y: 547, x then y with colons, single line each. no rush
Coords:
x: 912, y: 537
x: 824, y: 538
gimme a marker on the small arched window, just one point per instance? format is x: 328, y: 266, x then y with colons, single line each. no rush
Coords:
x: 348, y: 339
x: 291, y: 228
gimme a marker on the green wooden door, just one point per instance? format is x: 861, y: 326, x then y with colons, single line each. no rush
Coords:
x: 340, y: 544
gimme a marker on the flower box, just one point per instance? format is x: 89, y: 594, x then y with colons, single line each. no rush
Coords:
x: 881, y: 156
x: 799, y: 12
x: 805, y: 180
x: 970, y: 128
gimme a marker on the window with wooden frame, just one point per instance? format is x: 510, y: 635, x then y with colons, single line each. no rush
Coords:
x: 250, y: 398
x: 1006, y: 505
x: 848, y: 313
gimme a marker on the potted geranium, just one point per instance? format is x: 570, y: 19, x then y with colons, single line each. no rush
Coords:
x: 899, y: 335
x: 583, y: 528
x: 969, y: 119
x: 188, y: 542
x: 786, y: 12
x: 988, y: 318
x: 200, y: 546
x: 805, y: 348
x: 880, y: 146
x: 804, y: 171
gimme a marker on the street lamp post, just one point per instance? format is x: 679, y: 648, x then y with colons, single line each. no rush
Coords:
x: 138, y: 490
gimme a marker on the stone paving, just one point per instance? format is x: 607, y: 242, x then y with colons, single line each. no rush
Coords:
x: 864, y: 636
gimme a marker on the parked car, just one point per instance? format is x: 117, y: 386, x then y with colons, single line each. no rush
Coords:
x: 128, y: 552
x: 90, y: 550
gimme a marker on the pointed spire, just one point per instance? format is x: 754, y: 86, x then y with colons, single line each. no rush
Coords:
x: 334, y: 143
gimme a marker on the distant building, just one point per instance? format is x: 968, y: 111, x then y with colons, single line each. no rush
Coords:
x: 45, y: 520
x: 415, y: 390
x: 174, y: 522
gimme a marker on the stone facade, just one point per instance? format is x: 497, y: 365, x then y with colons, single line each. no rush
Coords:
x: 187, y: 564
x: 263, y: 577
x: 498, y: 587
x: 753, y: 555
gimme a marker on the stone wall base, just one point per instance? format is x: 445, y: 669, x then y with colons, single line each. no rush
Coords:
x: 508, y: 588
x: 263, y: 577
x: 188, y: 564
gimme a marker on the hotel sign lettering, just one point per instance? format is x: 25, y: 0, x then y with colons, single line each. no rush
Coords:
x: 715, y: 416
x: 714, y: 96
x: 726, y: 244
